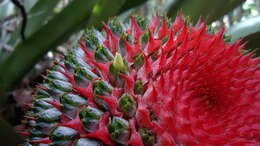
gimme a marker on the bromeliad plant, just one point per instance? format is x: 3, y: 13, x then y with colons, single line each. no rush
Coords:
x: 141, y: 84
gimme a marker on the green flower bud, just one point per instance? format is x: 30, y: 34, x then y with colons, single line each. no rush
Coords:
x: 49, y: 115
x: 103, y: 54
x: 52, y: 89
x: 60, y: 143
x: 85, y: 72
x: 138, y: 60
x: 57, y: 75
x: 42, y: 104
x: 36, y: 133
x: 62, y: 133
x: 115, y: 77
x: 45, y: 127
x: 73, y: 99
x: 138, y: 87
x: 61, y: 85
x: 147, y: 136
x: 59, y: 68
x: 87, y: 142
x: 127, y: 105
x: 152, y: 115
x: 41, y: 94
x: 102, y: 88
x: 119, y: 64
x: 89, y: 117
x: 115, y: 25
x: 91, y: 39
x: 119, y: 130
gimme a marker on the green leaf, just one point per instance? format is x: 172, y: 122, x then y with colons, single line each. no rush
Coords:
x: 57, y: 30
x: 28, y: 4
x: 38, y: 15
x: 213, y: 9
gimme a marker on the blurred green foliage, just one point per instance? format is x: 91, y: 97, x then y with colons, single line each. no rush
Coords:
x: 38, y: 15
x: 210, y: 9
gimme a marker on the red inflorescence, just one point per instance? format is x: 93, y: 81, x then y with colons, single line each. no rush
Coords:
x: 201, y: 90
